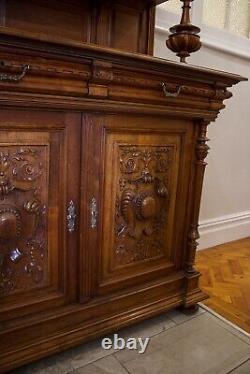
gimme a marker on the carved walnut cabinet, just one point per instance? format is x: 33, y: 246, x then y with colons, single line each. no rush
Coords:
x: 102, y: 155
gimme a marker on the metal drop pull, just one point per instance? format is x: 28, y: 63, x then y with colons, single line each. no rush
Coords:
x: 94, y: 213
x: 171, y: 94
x: 71, y: 217
x: 13, y: 78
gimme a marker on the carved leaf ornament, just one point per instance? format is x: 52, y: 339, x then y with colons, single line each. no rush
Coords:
x: 142, y: 202
x: 22, y: 217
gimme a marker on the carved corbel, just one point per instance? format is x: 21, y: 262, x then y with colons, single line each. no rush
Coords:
x: 220, y: 92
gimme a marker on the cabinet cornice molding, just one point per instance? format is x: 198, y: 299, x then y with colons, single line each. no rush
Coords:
x: 118, y: 77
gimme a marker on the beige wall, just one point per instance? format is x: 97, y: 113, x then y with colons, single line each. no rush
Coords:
x: 225, y: 208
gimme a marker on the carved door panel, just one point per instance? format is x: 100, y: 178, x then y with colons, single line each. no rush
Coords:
x: 145, y: 165
x: 37, y: 159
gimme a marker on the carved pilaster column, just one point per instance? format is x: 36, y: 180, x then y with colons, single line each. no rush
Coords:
x: 201, y: 152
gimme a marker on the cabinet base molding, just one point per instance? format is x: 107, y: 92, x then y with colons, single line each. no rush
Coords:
x: 72, y: 326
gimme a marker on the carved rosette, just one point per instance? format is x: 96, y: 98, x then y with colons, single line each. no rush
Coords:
x: 201, y: 152
x: 22, y: 217
x: 142, y: 202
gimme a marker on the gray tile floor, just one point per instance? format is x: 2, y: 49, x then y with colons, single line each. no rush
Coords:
x: 179, y: 344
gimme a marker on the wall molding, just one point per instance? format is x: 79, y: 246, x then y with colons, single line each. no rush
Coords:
x: 224, y: 229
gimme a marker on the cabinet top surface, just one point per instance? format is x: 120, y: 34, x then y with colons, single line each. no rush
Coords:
x: 60, y: 46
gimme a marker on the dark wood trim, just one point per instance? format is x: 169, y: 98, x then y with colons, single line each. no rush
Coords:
x: 2, y: 12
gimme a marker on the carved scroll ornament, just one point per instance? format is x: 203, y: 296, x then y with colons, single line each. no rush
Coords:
x: 22, y: 217
x: 142, y: 202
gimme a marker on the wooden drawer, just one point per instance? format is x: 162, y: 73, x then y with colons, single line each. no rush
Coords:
x: 32, y: 74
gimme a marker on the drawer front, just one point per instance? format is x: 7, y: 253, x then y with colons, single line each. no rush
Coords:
x: 145, y: 163
x: 36, y: 249
x: 26, y: 73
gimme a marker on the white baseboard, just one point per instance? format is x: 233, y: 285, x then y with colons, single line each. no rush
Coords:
x: 224, y: 229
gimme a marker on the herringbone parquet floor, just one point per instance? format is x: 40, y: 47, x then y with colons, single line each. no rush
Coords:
x: 225, y: 278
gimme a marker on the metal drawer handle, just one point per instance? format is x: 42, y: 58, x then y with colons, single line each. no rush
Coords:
x: 170, y: 94
x: 94, y: 213
x: 13, y: 78
x: 71, y: 217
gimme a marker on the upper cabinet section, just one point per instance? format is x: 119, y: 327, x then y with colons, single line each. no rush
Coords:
x: 65, y: 19
x: 124, y: 25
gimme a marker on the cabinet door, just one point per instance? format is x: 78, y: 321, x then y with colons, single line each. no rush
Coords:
x: 138, y: 214
x: 39, y: 176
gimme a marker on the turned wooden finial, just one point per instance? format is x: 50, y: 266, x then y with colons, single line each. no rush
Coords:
x: 184, y: 38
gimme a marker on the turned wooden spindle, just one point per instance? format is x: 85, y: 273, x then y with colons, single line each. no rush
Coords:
x: 184, y: 38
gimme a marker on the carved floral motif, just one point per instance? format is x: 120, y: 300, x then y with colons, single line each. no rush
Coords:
x: 22, y: 217
x: 142, y: 202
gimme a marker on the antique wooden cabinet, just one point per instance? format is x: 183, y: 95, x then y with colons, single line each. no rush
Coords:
x: 102, y: 155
